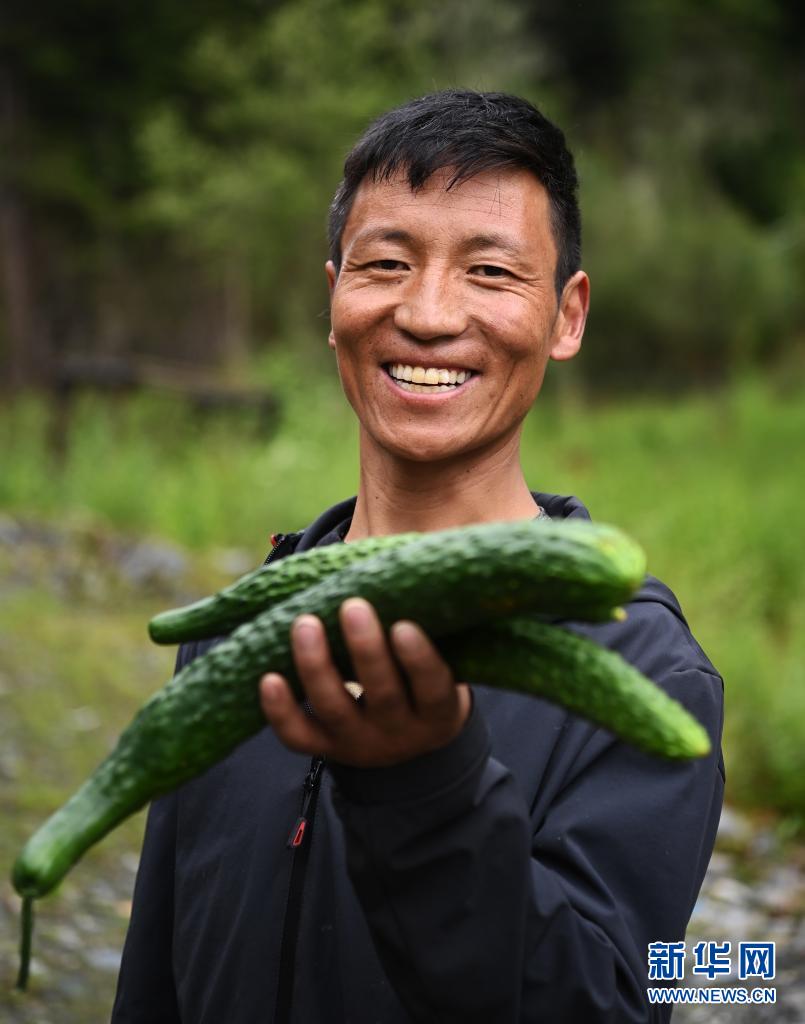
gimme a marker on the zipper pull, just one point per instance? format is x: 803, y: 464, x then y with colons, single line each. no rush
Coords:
x: 296, y: 838
x: 297, y: 835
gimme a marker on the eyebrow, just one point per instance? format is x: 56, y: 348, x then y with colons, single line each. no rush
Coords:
x: 383, y: 234
x: 476, y: 243
x: 493, y: 240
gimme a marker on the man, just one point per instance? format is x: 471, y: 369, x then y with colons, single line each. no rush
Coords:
x: 434, y: 852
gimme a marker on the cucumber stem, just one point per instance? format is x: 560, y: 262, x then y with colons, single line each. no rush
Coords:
x: 27, y: 929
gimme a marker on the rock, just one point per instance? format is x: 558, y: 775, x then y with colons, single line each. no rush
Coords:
x: 151, y: 565
x: 103, y: 959
x: 232, y: 562
x: 783, y: 891
x: 83, y: 719
x: 10, y: 531
x: 772, y: 909
x: 730, y: 890
x: 735, y: 831
x: 66, y: 937
x: 87, y: 561
x: 763, y: 845
x: 130, y: 862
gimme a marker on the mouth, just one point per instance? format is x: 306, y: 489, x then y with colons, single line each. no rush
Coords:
x: 427, y: 380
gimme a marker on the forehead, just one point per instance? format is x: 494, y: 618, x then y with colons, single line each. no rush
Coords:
x: 509, y: 201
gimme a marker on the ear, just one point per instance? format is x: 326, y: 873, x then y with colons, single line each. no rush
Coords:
x: 571, y: 317
x: 332, y: 275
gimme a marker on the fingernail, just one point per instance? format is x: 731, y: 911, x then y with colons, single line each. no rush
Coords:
x: 305, y: 632
x: 356, y: 613
x: 271, y: 686
x: 405, y: 633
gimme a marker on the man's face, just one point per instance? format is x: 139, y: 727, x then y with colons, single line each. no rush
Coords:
x: 437, y: 287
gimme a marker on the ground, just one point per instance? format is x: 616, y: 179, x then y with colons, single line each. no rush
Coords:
x: 75, y: 663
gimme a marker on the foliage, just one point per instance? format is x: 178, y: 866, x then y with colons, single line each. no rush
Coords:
x: 175, y: 158
x: 685, y: 287
x: 252, y: 170
x: 708, y: 485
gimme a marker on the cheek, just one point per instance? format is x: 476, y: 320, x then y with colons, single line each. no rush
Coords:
x: 354, y: 309
x: 524, y: 349
x: 356, y: 336
x: 520, y: 327
x: 525, y: 360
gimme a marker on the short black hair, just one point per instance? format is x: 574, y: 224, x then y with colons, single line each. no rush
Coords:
x: 470, y: 132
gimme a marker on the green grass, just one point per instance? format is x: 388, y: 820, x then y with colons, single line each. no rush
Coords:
x: 712, y: 485
x: 71, y: 675
x: 149, y: 466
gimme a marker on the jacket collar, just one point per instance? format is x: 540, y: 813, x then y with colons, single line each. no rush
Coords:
x: 557, y: 506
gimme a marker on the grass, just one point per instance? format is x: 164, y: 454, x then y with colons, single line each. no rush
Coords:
x: 75, y: 663
x: 71, y: 675
x: 711, y: 485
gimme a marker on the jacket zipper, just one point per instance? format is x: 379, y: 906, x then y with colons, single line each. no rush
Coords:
x: 299, y: 844
x: 277, y: 542
x: 299, y: 831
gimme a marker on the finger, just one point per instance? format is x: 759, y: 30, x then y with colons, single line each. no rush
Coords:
x: 322, y: 682
x: 285, y: 716
x: 385, y: 694
x: 433, y: 687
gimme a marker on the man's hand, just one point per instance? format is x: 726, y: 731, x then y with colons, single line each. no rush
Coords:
x: 398, y: 719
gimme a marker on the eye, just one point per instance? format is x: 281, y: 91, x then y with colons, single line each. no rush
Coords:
x: 387, y: 265
x: 490, y: 270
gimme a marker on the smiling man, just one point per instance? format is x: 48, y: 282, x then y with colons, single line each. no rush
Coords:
x: 455, y: 280
x: 434, y: 851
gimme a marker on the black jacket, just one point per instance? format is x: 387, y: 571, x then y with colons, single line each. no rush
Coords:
x: 517, y: 874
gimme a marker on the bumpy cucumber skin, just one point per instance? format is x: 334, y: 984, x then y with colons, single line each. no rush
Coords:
x: 447, y: 581
x: 576, y: 560
x: 258, y: 590
x: 589, y: 680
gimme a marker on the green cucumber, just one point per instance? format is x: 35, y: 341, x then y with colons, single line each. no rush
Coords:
x: 447, y: 581
x: 526, y: 656
x: 576, y: 562
x: 587, y: 679
x: 257, y: 590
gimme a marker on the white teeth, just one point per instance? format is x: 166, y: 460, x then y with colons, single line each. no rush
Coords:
x: 429, y: 375
x: 418, y: 378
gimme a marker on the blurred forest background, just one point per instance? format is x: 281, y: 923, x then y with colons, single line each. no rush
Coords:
x: 167, y: 398
x: 167, y: 169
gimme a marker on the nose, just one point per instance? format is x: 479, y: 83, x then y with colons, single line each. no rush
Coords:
x: 430, y: 306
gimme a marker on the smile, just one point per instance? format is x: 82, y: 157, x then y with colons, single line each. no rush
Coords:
x: 427, y: 379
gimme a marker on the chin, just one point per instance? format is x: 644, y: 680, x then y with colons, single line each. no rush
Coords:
x: 433, y: 449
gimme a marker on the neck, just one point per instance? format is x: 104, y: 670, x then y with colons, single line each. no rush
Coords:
x: 397, y: 495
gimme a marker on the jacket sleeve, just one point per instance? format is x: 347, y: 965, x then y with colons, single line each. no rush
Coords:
x: 485, y: 910
x: 146, y: 993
